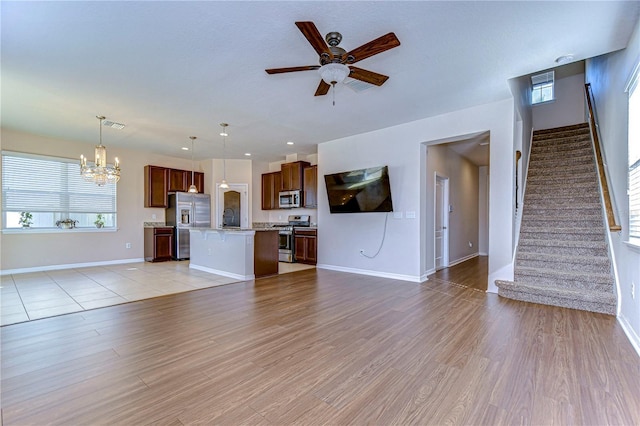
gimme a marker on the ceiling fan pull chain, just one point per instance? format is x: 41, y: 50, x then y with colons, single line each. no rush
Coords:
x: 334, y: 93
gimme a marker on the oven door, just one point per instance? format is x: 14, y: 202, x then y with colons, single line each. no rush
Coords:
x: 285, y: 246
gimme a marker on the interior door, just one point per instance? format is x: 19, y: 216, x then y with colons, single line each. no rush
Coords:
x: 441, y: 223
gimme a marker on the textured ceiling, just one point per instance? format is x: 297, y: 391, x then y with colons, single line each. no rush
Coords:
x: 169, y: 70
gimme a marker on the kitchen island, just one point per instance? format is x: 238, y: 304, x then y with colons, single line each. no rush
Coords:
x: 243, y: 254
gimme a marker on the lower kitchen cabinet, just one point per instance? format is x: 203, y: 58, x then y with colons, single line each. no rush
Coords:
x: 158, y: 244
x: 305, y: 243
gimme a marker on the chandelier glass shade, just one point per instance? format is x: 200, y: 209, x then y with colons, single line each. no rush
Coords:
x: 333, y: 73
x: 100, y: 172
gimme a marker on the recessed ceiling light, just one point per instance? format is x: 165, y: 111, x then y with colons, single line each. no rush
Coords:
x: 184, y: 148
x: 564, y: 59
x: 289, y: 143
x: 248, y: 154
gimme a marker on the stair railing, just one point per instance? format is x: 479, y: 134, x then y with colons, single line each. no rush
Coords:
x: 602, y: 170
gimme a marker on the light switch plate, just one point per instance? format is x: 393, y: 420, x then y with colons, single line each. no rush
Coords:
x: 397, y: 215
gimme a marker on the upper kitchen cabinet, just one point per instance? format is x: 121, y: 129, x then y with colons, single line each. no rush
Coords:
x: 310, y: 185
x: 155, y: 186
x: 271, y: 185
x: 159, y: 181
x: 292, y: 175
x: 178, y: 180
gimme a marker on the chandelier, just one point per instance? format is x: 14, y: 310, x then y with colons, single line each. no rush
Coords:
x: 224, y: 184
x: 100, y: 172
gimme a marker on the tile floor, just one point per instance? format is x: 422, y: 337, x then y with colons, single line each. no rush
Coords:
x: 36, y: 295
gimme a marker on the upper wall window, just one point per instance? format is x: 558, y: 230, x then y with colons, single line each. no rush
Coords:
x: 44, y: 190
x: 542, y: 87
x: 633, y: 141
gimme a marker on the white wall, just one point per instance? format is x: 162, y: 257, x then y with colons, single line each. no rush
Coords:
x: 404, y: 254
x: 463, y: 198
x: 33, y: 250
x: 608, y: 75
x: 483, y: 210
x: 566, y: 109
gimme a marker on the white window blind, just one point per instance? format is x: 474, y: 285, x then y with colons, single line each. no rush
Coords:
x: 542, y: 87
x: 41, y: 184
x: 634, y: 156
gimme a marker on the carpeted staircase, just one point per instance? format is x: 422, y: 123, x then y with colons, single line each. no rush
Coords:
x: 562, y: 257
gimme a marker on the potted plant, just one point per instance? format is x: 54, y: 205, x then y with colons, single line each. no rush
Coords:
x: 66, y: 223
x: 26, y: 219
x: 99, y: 222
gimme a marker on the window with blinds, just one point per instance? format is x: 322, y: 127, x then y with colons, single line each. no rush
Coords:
x: 633, y: 141
x: 51, y: 189
x: 542, y: 87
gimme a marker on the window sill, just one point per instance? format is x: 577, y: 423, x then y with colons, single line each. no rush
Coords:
x: 55, y: 230
x: 544, y: 102
x: 633, y: 244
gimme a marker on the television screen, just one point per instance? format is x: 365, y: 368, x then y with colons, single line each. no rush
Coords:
x: 365, y: 190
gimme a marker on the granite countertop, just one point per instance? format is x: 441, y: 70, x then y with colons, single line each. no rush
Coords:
x: 156, y: 225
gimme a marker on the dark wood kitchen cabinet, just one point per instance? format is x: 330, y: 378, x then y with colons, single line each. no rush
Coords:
x: 292, y: 174
x: 178, y: 180
x: 159, y: 181
x: 271, y: 184
x: 305, y: 246
x: 155, y: 186
x: 158, y: 244
x: 310, y: 187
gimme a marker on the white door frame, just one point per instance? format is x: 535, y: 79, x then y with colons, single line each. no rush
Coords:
x: 243, y: 189
x: 443, y: 206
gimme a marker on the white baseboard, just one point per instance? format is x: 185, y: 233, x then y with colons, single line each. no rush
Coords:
x: 401, y: 277
x: 630, y: 332
x: 68, y: 266
x: 463, y: 259
x: 223, y: 273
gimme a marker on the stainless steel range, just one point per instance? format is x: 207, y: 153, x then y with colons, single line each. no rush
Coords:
x: 286, y: 246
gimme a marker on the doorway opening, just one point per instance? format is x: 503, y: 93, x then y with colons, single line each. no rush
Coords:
x: 232, y: 206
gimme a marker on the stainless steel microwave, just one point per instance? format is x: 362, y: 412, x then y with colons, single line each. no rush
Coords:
x: 289, y: 199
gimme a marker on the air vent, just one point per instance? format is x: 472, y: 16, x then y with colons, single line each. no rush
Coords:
x: 113, y: 124
x: 357, y: 85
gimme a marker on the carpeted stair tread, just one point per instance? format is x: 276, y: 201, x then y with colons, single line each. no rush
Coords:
x: 602, y: 302
x: 562, y: 257
x: 586, y: 263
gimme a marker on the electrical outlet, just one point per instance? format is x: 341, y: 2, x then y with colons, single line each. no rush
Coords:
x: 633, y: 290
x: 209, y: 251
x: 154, y: 216
x: 127, y: 245
x: 470, y: 244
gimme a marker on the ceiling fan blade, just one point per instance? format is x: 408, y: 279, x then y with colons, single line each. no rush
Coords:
x: 379, y: 45
x: 323, y: 88
x: 367, y: 76
x: 292, y: 69
x: 314, y: 37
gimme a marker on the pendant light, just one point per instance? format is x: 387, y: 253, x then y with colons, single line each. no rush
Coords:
x: 100, y: 173
x: 193, y: 187
x: 224, y: 184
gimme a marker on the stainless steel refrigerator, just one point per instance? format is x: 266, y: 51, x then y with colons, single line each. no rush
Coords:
x: 186, y: 211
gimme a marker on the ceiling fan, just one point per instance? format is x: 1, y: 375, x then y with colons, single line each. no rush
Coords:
x: 335, y: 62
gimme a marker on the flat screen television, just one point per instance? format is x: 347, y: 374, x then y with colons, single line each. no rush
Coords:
x: 357, y: 191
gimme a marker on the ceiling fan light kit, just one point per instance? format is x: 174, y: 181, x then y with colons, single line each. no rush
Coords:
x: 335, y: 62
x: 334, y: 73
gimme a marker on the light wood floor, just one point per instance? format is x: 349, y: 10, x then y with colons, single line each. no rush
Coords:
x: 321, y: 347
